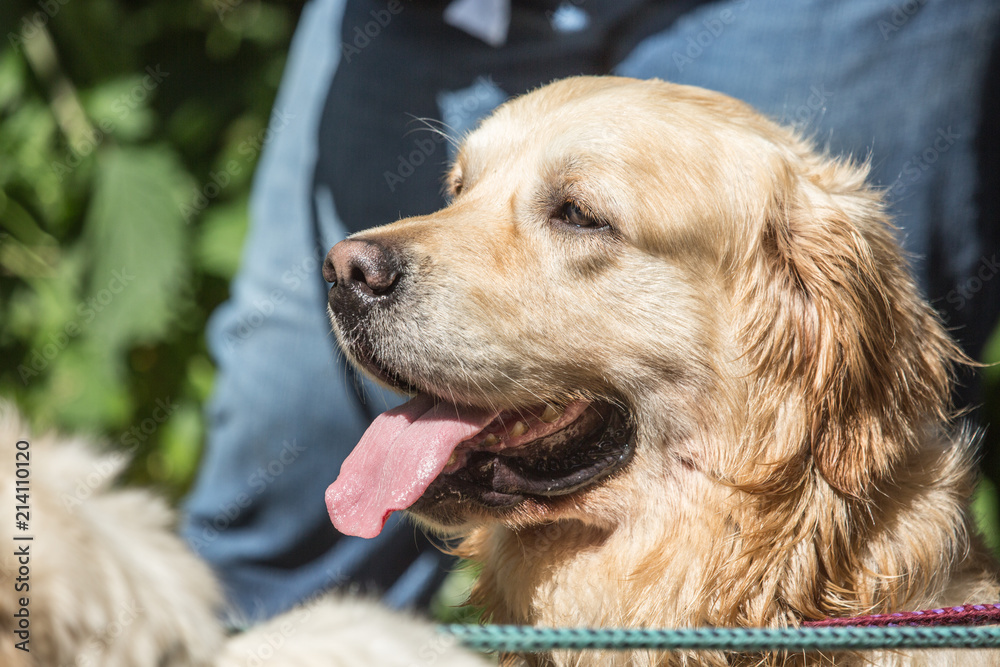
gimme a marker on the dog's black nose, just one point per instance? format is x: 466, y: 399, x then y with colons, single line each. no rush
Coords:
x: 368, y: 269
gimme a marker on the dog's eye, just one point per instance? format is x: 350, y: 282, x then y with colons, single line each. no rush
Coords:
x: 456, y: 187
x: 574, y: 215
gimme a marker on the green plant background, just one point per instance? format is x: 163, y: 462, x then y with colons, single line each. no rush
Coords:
x: 114, y: 116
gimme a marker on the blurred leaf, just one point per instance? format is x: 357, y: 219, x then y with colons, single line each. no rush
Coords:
x: 201, y: 377
x: 221, y: 44
x: 120, y: 108
x: 12, y: 77
x: 86, y: 388
x: 24, y: 259
x: 258, y: 22
x: 136, y: 232
x: 181, y: 448
x: 243, y: 142
x: 45, y: 305
x: 220, y: 243
x: 991, y: 357
x: 27, y: 140
x: 449, y: 603
x: 23, y: 228
x: 984, y: 508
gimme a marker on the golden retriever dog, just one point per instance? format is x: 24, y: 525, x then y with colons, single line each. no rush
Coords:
x: 105, y: 583
x: 670, y: 370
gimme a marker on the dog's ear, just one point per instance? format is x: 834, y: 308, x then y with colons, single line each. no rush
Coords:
x: 840, y: 327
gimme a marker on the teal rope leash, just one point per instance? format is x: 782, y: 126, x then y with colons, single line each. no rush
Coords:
x: 528, y: 639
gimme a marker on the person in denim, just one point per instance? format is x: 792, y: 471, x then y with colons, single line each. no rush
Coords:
x: 900, y: 83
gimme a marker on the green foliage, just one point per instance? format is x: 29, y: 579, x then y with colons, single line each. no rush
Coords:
x: 114, y: 116
x: 986, y: 503
x: 984, y: 508
x: 450, y: 603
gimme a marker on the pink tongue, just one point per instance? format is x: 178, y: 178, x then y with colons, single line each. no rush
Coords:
x: 400, y: 454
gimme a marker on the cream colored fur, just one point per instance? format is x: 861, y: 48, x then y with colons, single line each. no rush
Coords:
x: 796, y: 456
x: 112, y: 586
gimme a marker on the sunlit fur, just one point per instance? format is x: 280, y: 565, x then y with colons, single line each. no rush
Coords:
x: 749, y: 306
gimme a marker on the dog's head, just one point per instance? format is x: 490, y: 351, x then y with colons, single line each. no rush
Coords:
x: 632, y: 279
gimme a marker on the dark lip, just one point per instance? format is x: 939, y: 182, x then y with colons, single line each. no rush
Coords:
x: 499, y: 480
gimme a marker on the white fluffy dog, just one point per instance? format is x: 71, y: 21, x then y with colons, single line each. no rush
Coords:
x: 106, y: 583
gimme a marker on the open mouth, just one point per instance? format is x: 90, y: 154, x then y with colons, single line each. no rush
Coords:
x: 544, y: 452
x: 428, y: 452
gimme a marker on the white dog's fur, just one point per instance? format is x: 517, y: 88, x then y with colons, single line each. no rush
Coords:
x: 112, y: 586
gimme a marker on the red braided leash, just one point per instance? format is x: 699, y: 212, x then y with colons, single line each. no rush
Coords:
x: 970, y: 614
